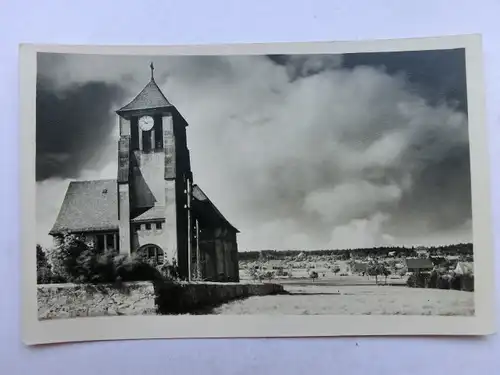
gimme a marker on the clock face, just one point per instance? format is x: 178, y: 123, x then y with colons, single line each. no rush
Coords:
x: 146, y: 123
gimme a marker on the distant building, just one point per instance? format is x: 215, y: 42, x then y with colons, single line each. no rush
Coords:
x: 422, y: 252
x: 153, y: 207
x: 359, y: 267
x: 464, y: 268
x: 417, y: 265
x: 275, y: 264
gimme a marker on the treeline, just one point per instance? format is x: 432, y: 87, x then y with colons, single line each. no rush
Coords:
x: 345, y: 254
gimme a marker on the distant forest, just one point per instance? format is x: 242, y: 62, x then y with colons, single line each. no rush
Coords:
x: 399, y: 251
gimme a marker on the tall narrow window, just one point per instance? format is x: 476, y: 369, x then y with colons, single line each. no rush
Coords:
x: 110, y: 241
x: 158, y: 132
x: 146, y: 141
x: 100, y: 242
x: 134, y: 133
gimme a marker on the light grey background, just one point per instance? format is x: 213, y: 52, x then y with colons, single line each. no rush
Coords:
x: 200, y: 22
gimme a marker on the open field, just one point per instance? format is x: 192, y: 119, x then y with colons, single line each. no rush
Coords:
x: 334, y: 280
x: 355, y: 300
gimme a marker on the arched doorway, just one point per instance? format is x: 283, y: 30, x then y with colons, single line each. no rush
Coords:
x: 152, y: 252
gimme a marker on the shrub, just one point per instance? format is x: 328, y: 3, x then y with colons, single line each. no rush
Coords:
x: 468, y: 283
x: 420, y: 280
x: 313, y: 275
x: 433, y: 279
x: 44, y: 273
x: 75, y: 260
x: 456, y: 283
x: 67, y: 257
x: 444, y: 282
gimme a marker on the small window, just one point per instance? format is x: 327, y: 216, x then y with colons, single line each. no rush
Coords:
x: 158, y: 225
x: 148, y: 226
x: 100, y: 242
x: 110, y: 241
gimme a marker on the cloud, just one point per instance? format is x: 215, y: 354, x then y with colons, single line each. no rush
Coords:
x: 336, y: 158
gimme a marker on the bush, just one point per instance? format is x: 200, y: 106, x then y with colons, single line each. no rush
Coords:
x: 468, y: 283
x: 433, y: 279
x: 420, y: 280
x: 444, y: 282
x: 76, y: 261
x: 463, y: 282
x: 313, y: 275
x: 44, y: 273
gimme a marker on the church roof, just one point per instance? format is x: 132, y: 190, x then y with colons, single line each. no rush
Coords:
x: 88, y: 206
x: 150, y: 97
x: 201, y: 197
x: 91, y: 206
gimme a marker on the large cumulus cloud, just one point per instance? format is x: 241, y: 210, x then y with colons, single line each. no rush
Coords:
x: 298, y: 152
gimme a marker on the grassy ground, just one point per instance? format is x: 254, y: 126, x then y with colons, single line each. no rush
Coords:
x: 355, y: 300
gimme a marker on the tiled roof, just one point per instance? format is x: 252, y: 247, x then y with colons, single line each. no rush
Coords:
x: 150, y: 97
x: 467, y: 267
x: 88, y: 206
x: 200, y: 196
x: 93, y: 206
x: 419, y: 263
x: 154, y: 213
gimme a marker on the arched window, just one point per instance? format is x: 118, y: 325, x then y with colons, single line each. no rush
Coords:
x: 152, y: 252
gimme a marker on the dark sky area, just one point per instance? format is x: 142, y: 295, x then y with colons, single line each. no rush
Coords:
x: 326, y: 150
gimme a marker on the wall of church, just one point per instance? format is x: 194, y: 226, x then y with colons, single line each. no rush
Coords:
x: 147, y: 179
x: 144, y: 234
x: 218, y: 252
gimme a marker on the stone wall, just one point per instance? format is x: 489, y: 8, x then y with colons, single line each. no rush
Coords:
x: 141, y: 298
x: 70, y: 300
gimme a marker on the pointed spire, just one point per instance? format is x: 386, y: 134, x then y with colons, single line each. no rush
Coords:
x: 152, y: 67
x: 150, y: 97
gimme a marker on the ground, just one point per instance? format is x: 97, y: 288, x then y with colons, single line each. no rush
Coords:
x: 356, y: 300
x: 353, y: 295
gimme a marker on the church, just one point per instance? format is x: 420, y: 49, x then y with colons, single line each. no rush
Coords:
x: 153, y: 206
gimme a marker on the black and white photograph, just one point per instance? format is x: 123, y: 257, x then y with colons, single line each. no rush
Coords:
x: 282, y: 182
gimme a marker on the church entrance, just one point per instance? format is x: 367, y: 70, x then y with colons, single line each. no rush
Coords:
x: 152, y: 252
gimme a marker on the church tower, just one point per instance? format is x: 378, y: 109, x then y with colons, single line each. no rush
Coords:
x: 154, y: 178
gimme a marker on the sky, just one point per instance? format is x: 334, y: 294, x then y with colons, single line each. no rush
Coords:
x: 297, y: 151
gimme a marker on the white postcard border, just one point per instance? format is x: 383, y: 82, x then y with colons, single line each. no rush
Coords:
x: 214, y: 326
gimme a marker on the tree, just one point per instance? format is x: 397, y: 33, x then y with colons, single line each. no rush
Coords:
x: 313, y: 275
x: 336, y: 269
x: 252, y: 272
x: 376, y: 269
x: 386, y: 272
x: 269, y: 275
x: 43, y: 268
x: 70, y: 257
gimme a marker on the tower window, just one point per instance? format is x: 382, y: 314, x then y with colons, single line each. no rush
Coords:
x: 146, y: 141
x: 158, y: 132
x: 158, y: 225
x: 135, y: 133
x: 148, y: 226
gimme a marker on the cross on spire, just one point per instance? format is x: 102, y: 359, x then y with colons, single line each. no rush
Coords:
x: 152, y: 67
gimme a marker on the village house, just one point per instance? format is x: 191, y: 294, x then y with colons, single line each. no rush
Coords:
x: 359, y: 267
x: 464, y: 268
x: 417, y: 265
x: 153, y: 207
x: 422, y: 252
